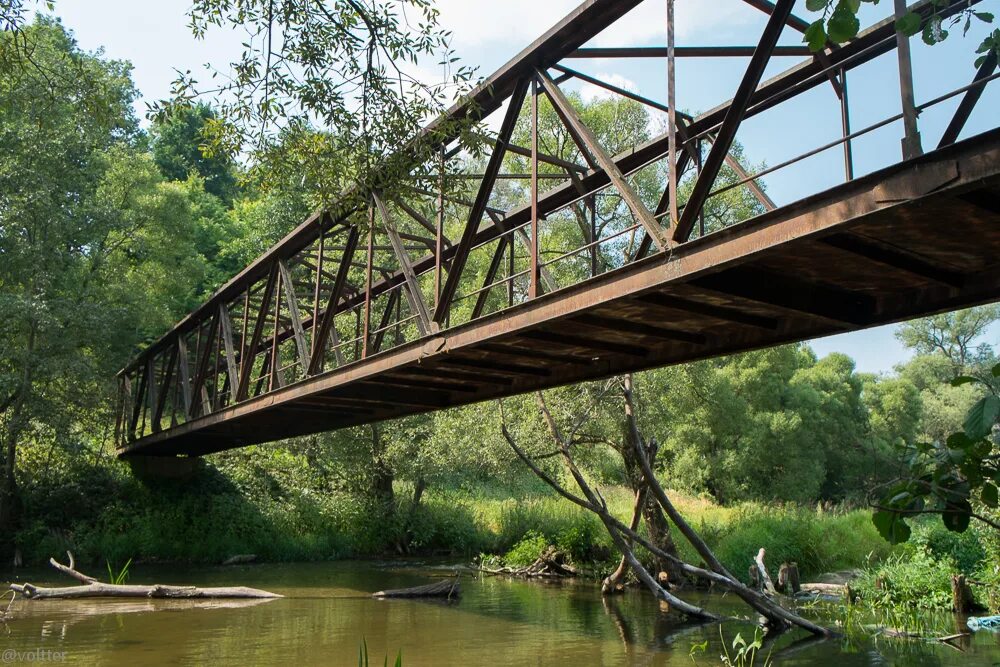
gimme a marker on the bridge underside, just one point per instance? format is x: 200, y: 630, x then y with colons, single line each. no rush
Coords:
x: 915, y: 239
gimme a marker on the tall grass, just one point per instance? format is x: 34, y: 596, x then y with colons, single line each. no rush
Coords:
x: 282, y: 516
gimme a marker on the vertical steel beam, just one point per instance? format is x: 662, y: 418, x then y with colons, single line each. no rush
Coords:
x: 274, y: 379
x: 533, y: 248
x: 368, y: 281
x: 734, y: 116
x: 439, y: 231
x: 184, y: 375
x: 671, y: 116
x: 151, y: 393
x: 392, y: 301
x: 316, y: 290
x: 136, y: 403
x: 911, y: 135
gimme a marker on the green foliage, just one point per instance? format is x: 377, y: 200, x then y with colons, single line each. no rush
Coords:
x: 744, y: 654
x: 947, y: 478
x: 818, y: 542
x: 363, y: 656
x: 179, y: 151
x: 839, y: 23
x: 918, y: 573
x: 917, y: 580
x: 118, y: 576
x: 526, y: 551
x: 341, y: 67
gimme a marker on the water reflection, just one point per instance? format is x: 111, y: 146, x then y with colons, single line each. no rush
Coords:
x: 328, y: 610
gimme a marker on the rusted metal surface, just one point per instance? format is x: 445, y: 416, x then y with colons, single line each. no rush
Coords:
x: 313, y: 336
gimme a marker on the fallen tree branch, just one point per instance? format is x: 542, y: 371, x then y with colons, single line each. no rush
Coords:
x: 92, y: 588
x: 102, y: 590
x: 443, y: 589
x: 70, y: 570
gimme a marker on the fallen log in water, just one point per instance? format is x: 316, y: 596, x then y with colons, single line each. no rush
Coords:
x: 551, y: 563
x: 809, y: 589
x: 443, y: 589
x: 92, y: 588
x: 102, y: 590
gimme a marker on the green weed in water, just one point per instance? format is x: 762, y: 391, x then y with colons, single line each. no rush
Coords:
x: 122, y: 575
x: 363, y: 656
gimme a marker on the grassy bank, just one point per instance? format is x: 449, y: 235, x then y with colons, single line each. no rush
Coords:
x: 235, y: 506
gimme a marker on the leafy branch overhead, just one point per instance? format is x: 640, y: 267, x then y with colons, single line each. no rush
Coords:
x: 839, y: 23
x: 957, y: 478
x: 322, y: 90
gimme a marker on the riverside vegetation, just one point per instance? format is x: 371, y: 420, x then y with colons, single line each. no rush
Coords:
x: 774, y: 448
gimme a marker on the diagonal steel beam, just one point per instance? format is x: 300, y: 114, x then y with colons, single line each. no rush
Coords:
x: 201, y: 371
x: 734, y: 116
x: 227, y: 343
x: 168, y: 375
x: 326, y: 326
x: 612, y: 88
x: 479, y: 205
x: 413, y: 294
x: 491, y: 274
x: 257, y: 335
x: 295, y: 315
x: 969, y: 101
x: 384, y: 323
x: 605, y: 161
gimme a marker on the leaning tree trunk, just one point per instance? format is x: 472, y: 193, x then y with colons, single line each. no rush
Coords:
x: 656, y: 523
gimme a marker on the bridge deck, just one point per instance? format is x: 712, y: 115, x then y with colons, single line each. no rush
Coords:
x: 920, y: 237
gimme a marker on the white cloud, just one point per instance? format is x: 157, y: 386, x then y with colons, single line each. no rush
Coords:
x: 591, y: 92
x: 516, y: 23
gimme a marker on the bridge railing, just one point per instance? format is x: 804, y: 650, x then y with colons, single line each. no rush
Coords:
x: 479, y: 239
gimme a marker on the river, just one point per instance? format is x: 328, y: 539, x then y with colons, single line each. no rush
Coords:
x: 328, y: 612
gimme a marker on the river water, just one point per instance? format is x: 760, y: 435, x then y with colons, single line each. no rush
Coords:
x: 328, y: 612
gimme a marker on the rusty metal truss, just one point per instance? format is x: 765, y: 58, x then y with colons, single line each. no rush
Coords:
x: 445, y: 295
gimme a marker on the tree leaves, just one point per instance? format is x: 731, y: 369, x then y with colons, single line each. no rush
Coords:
x: 981, y: 418
x: 891, y: 526
x: 909, y: 24
x: 989, y: 495
x: 815, y: 36
x: 843, y: 24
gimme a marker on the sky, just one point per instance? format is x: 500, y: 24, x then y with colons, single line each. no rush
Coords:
x: 155, y: 38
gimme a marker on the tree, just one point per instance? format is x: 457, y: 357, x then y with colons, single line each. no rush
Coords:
x: 339, y: 67
x: 954, y: 469
x: 179, y: 150
x: 95, y: 246
x: 956, y: 335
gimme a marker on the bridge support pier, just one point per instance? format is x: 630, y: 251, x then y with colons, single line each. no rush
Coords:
x: 163, y: 467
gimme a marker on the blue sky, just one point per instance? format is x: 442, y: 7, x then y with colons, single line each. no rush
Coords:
x: 155, y: 38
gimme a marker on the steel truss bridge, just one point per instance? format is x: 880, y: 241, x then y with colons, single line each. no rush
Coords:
x: 451, y: 295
